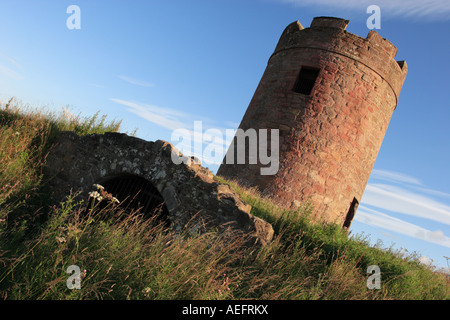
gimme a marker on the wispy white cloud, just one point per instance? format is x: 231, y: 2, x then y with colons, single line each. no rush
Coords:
x: 433, y: 192
x: 393, y: 177
x: 172, y: 118
x: 412, y: 8
x: 391, y: 193
x: 397, y: 199
x: 164, y: 117
x: 137, y: 82
x: 197, y: 135
x: 11, y: 60
x: 405, y: 181
x: 11, y: 68
x: 387, y: 222
x: 7, y: 72
x: 18, y: 66
x: 96, y: 85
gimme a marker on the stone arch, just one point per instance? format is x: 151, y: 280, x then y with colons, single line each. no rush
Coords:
x: 191, y: 196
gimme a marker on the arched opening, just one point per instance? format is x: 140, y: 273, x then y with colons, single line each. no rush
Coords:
x: 136, y: 193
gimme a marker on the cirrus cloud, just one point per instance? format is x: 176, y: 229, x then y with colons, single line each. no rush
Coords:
x: 436, y: 9
x: 397, y: 199
x: 136, y: 82
x: 12, y: 69
x: 385, y: 221
x: 390, y: 195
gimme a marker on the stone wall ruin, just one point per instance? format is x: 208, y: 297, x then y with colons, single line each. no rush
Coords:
x: 188, y: 191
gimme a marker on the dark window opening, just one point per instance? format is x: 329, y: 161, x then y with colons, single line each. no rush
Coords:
x: 136, y: 193
x: 350, y: 214
x: 306, y: 80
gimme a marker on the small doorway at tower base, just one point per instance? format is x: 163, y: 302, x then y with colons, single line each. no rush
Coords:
x: 350, y: 214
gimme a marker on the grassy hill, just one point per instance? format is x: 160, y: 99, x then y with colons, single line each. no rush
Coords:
x: 132, y: 258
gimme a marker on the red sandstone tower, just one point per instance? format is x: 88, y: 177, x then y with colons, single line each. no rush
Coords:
x: 331, y: 95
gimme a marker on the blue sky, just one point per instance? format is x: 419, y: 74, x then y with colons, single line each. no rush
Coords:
x: 161, y: 65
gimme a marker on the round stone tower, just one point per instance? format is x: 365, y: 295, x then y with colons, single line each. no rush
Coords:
x: 331, y: 95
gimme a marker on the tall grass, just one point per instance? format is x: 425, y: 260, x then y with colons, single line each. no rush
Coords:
x: 340, y: 261
x: 26, y: 134
x: 124, y: 256
x: 128, y: 258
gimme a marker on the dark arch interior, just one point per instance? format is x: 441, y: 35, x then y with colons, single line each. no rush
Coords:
x: 137, y: 193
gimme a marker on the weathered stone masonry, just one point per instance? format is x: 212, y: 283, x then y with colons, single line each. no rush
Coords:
x: 189, y: 192
x: 331, y: 94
